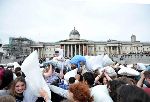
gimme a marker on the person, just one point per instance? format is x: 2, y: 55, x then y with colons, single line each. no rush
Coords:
x: 7, y: 98
x: 103, y: 77
x: 145, y: 76
x: 18, y: 72
x: 131, y: 93
x: 100, y: 93
x: 51, y: 76
x: 66, y: 86
x: 79, y: 92
x: 77, y: 61
x: 1, y: 74
x: 112, y: 87
x: 6, y: 77
x: 17, y: 88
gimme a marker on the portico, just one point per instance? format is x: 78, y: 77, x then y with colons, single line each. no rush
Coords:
x: 71, y: 50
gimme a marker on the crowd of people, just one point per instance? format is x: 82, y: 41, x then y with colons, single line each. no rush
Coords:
x: 78, y: 82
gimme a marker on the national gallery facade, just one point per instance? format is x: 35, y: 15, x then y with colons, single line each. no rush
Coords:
x: 76, y: 46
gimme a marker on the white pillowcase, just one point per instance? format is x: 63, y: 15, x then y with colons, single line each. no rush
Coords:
x: 69, y: 74
x: 94, y: 62
x: 34, y: 76
x: 100, y: 94
x: 128, y: 71
x: 109, y: 70
x: 107, y: 61
x: 141, y: 66
x: 16, y: 65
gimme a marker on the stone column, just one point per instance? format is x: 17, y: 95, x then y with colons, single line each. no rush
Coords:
x: 71, y: 51
x: 117, y: 50
x: 87, y: 50
x: 42, y: 52
x: 38, y: 51
x: 83, y: 50
x: 64, y: 50
x: 110, y: 50
x: 75, y: 49
x: 68, y: 51
x: 79, y: 49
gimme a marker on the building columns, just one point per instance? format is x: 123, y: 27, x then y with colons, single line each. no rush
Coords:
x: 68, y: 51
x: 87, y: 50
x: 64, y: 50
x: 71, y: 51
x: 83, y: 50
x: 79, y: 49
x: 75, y: 49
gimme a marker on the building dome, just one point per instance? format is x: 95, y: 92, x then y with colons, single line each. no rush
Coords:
x: 74, y: 34
x: 133, y: 38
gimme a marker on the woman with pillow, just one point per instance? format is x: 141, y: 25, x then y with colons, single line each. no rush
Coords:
x: 18, y: 88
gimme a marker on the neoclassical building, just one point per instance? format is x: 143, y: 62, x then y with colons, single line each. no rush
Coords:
x: 76, y: 46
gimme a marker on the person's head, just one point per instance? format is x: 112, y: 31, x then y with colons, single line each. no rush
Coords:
x: 147, y: 76
x: 127, y: 80
x: 72, y: 80
x: 7, y: 98
x: 79, y: 92
x: 56, y: 53
x: 79, y: 77
x: 88, y: 77
x: 112, y: 87
x: 17, y: 69
x: 18, y: 72
x: 131, y: 93
x: 73, y: 66
x: 18, y: 86
x: 6, y: 78
x: 1, y: 75
x: 105, y: 81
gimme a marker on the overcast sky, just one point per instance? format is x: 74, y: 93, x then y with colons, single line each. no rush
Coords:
x: 52, y: 20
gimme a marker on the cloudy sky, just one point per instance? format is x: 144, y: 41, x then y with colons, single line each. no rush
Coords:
x: 52, y: 20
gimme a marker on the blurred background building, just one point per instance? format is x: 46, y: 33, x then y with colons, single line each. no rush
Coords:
x: 118, y: 50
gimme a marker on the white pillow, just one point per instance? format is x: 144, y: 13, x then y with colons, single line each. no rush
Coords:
x: 100, y: 94
x: 34, y: 77
x: 107, y: 61
x: 128, y: 71
x: 141, y: 66
x: 69, y: 74
x: 89, y: 62
x: 16, y: 65
x: 109, y: 70
x: 130, y: 65
x: 94, y: 62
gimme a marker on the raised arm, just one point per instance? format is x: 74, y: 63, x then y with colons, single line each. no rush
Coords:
x: 49, y: 73
x: 140, y: 82
x: 107, y: 76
